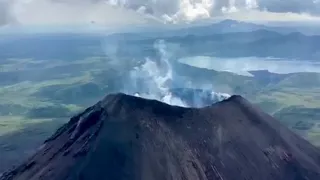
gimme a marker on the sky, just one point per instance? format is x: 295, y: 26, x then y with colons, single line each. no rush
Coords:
x: 128, y: 12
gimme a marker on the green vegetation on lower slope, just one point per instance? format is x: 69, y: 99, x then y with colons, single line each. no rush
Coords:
x: 294, y: 98
x: 20, y: 137
x: 304, y: 80
x: 299, y: 117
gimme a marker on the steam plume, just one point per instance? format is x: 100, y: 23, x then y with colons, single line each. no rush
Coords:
x: 154, y: 79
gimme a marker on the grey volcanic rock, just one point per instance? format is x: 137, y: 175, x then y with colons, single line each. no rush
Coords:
x: 130, y: 138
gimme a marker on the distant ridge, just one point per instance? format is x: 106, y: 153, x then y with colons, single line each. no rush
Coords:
x: 130, y: 138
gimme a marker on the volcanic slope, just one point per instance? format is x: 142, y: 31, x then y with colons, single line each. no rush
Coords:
x: 129, y: 138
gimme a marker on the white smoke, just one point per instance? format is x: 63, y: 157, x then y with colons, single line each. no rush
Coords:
x: 153, y: 79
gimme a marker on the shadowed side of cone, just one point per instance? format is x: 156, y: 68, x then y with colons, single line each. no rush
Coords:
x: 129, y: 138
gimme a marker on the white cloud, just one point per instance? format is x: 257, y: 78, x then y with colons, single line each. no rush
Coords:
x: 265, y: 16
x: 4, y: 12
x: 175, y: 11
x: 124, y: 12
x: 67, y: 12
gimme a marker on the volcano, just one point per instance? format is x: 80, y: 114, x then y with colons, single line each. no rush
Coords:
x: 124, y: 137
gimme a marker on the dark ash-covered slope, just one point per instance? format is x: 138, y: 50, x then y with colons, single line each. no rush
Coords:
x: 129, y: 138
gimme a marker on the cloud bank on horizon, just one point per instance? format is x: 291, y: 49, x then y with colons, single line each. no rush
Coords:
x: 123, y: 12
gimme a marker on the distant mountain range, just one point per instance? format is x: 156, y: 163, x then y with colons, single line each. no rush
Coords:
x: 224, y: 39
x: 228, y: 26
x: 259, y: 43
x: 256, y: 43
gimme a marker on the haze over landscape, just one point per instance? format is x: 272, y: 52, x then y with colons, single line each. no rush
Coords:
x: 57, y: 58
